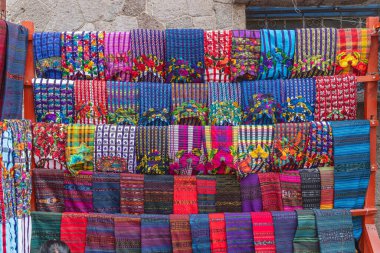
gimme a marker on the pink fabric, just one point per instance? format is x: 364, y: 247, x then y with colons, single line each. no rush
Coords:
x: 116, y: 47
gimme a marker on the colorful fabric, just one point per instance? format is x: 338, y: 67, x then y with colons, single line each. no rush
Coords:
x: 239, y: 232
x: 285, y: 225
x: 336, y: 98
x: 218, y: 235
x: 83, y: 55
x: 48, y: 190
x: 327, y: 187
x: 227, y: 198
x: 263, y: 232
x: 200, y: 233
x: 100, y: 235
x: 132, y: 193
x: 155, y: 234
x: 46, y: 226
x: 217, y: 55
x: 320, y: 148
x: 271, y: 191
x: 148, y: 55
x: 251, y: 194
x: 116, y: 56
x: 73, y: 231
x: 245, y: 54
x: 315, y: 52
x: 277, y: 52
x: 352, y: 51
x: 206, y: 190
x: 128, y: 233
x: 115, y: 148
x: 106, y: 192
x: 185, y: 199
x: 305, y: 238
x: 311, y: 188
x: 3, y: 51
x: 158, y: 194
x: 47, y: 54
x: 184, y: 55
x: 290, y: 182
x: 78, y: 192
x: 181, y: 233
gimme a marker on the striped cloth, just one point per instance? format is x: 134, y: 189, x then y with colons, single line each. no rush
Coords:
x: 123, y: 95
x: 335, y: 230
x: 220, y: 138
x: 78, y: 192
x: 184, y: 55
x: 277, y: 52
x: 315, y: 52
x: 217, y: 55
x: 46, y: 226
x: 53, y: 100
x: 47, y: 54
x: 200, y: 233
x: 263, y: 232
x: 270, y: 191
x: 239, y: 232
x: 127, y: 233
x: 250, y: 191
x: 227, y: 198
x: 106, y: 192
x: 73, y: 231
x: 3, y: 51
x: 218, y: 235
x: 206, y: 190
x: 290, y: 182
x: 311, y: 188
x: 327, y: 187
x: 320, y: 148
x: 305, y: 239
x: 181, y: 233
x: 116, y: 56
x: 148, y: 45
x: 185, y: 198
x: 155, y: 233
x: 219, y: 92
x: 131, y: 193
x: 100, y: 235
x: 158, y: 194
x: 285, y: 225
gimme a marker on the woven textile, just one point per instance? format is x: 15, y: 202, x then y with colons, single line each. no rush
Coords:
x: 3, y: 51
x: 106, y: 192
x: 132, y: 193
x: 53, y: 100
x: 245, y: 54
x: 78, y: 192
x: 336, y: 98
x: 327, y: 187
x: 217, y: 55
x: 271, y: 191
x: 263, y: 232
x: 83, y: 55
x: 353, y: 46
x: 320, y: 148
x: 115, y: 148
x: 117, y: 60
x: 47, y: 54
x: 46, y: 226
x: 184, y: 55
x: 181, y: 233
x: 251, y: 194
x: 227, y: 198
x: 206, y: 190
x: 335, y: 230
x: 224, y: 92
x: 73, y: 231
x: 285, y: 225
x: 218, y: 235
x: 315, y: 52
x: 272, y: 87
x: 311, y: 188
x: 48, y: 188
x: 100, y: 235
x: 13, y: 83
x: 277, y: 52
x: 239, y: 232
x: 127, y: 233
x: 200, y: 233
x: 185, y: 198
x: 147, y: 47
x: 305, y: 238
x: 155, y: 233
x: 290, y: 182
x: 90, y: 101
x: 158, y: 194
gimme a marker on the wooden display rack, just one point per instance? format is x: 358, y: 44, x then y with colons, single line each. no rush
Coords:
x: 369, y: 242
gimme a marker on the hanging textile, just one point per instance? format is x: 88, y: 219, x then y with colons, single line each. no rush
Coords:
x: 116, y: 56
x: 285, y: 225
x: 78, y: 192
x: 185, y: 199
x: 128, y: 233
x: 46, y: 226
x: 206, y: 190
x: 158, y: 194
x: 180, y: 233
x: 82, y: 55
x: 184, y: 55
x: 251, y: 194
x: 263, y: 232
x: 218, y: 55
x: 277, y: 52
x: 315, y: 52
x: 245, y: 54
x: 148, y: 55
x: 227, y: 198
x: 305, y: 239
x: 270, y: 191
x: 3, y: 59
x: 73, y: 231
x: 24, y: 234
x: 239, y: 232
x: 290, y: 182
x: 155, y: 233
x: 327, y: 187
x: 200, y: 233
x: 106, y: 192
x: 100, y: 235
x: 218, y: 236
x: 131, y: 193
x: 311, y: 188
x: 320, y: 148
x: 47, y: 54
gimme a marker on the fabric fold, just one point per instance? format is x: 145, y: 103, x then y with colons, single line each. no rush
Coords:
x: 305, y: 238
x: 206, y: 190
x: 290, y: 182
x: 155, y: 233
x: 127, y: 233
x: 263, y: 232
x: 251, y: 199
x: 218, y: 236
x: 100, y: 234
x: 78, y: 192
x: 106, y: 192
x: 239, y: 232
x: 131, y: 193
x: 200, y: 233
x: 185, y: 198
x: 73, y: 231
x: 311, y: 188
x: 116, y: 56
x: 46, y: 226
x: 285, y: 225
x: 271, y: 191
x: 227, y: 197
x: 180, y: 233
x: 158, y: 194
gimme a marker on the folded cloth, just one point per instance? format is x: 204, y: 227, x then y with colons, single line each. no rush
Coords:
x: 100, y: 236
x: 277, y: 52
x: 184, y: 55
x: 181, y: 233
x: 185, y: 198
x: 131, y: 193
x: 73, y: 231
x: 158, y: 194
x: 148, y: 55
x: 206, y: 190
x: 320, y: 148
x: 106, y: 192
x: 305, y: 239
x: 46, y: 226
x: 275, y: 88
x: 116, y: 56
x: 290, y: 182
x: 239, y: 232
x: 53, y: 100
x: 251, y: 194
x: 218, y: 55
x: 127, y: 233
x: 311, y: 188
x: 227, y: 198
x: 218, y: 236
x: 48, y: 189
x: 263, y: 232
x: 270, y: 191
x: 155, y: 233
x: 3, y: 51
x: 78, y: 192
x: 327, y: 187
x: 83, y: 55
x: 315, y: 52
x: 285, y: 225
x: 200, y: 233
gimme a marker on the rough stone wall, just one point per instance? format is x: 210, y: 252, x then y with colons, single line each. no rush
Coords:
x: 122, y: 15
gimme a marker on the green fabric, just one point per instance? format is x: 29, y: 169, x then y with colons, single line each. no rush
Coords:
x: 306, y: 238
x: 45, y: 226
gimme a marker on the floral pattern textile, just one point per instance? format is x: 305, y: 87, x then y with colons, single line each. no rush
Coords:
x: 117, y: 56
x: 190, y: 113
x: 124, y: 117
x: 298, y: 110
x: 225, y: 113
x: 320, y: 148
x: 263, y: 110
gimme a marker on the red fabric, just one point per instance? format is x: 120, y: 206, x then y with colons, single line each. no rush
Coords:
x: 185, y: 195
x: 181, y: 233
x: 221, y: 137
x: 263, y: 232
x: 218, y: 236
x: 3, y: 48
x: 73, y: 231
x: 271, y: 191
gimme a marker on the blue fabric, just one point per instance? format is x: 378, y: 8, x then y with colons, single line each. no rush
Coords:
x: 249, y: 88
x: 218, y: 92
x: 200, y: 233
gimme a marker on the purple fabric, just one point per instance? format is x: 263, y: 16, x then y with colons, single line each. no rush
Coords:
x: 239, y: 232
x: 251, y: 194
